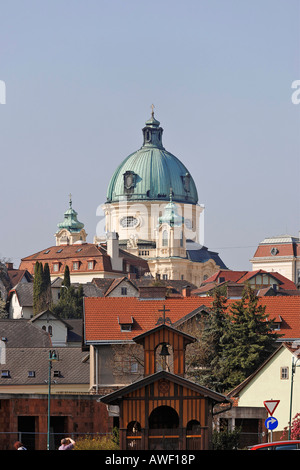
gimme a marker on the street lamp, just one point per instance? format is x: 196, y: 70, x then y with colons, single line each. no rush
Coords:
x: 53, y: 356
x: 292, y: 384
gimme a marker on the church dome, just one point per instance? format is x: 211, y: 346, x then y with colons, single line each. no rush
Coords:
x: 151, y: 173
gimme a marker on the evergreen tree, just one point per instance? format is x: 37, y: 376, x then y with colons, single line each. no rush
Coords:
x: 70, y: 304
x: 249, y: 339
x: 37, y: 288
x: 67, y: 280
x: 46, y: 289
x: 204, y: 357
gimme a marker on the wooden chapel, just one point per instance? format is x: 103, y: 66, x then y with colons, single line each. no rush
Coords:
x: 164, y: 410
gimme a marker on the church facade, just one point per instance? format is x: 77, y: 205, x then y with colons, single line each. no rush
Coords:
x: 152, y: 204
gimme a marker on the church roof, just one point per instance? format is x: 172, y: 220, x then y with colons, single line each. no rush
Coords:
x: 150, y: 172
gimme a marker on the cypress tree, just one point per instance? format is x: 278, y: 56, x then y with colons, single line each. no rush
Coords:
x: 46, y: 288
x: 37, y: 288
x: 67, y: 280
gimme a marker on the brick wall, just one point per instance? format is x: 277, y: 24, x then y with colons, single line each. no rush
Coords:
x: 81, y: 414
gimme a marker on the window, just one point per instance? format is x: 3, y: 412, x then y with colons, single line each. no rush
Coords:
x: 31, y: 373
x: 56, y: 267
x: 129, y: 221
x: 50, y: 330
x: 123, y: 290
x: 134, y: 367
x: 126, y: 327
x: 59, y: 251
x: 79, y: 249
x: 90, y: 264
x: 165, y: 277
x: 75, y: 265
x: 284, y: 373
x: 56, y: 373
x: 5, y: 374
x: 165, y: 238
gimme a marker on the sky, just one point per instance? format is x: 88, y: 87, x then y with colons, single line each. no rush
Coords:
x: 79, y: 78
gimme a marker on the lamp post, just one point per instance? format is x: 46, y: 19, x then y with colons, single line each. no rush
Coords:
x: 291, y: 398
x: 53, y: 356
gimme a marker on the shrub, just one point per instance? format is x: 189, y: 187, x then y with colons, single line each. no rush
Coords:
x: 226, y: 440
x: 97, y: 443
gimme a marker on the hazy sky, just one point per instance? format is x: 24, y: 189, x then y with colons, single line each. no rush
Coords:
x: 81, y: 76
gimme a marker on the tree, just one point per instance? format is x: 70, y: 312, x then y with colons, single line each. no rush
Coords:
x: 204, y: 356
x: 249, y: 340
x: 46, y: 288
x: 37, y: 288
x: 67, y: 279
x: 41, y: 288
x: 70, y: 304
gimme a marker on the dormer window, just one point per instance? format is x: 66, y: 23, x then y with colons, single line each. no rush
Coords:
x: 125, y: 322
x: 90, y: 265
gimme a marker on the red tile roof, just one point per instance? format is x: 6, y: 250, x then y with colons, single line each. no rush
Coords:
x: 264, y: 250
x: 101, y: 314
x: 66, y: 254
x: 241, y: 277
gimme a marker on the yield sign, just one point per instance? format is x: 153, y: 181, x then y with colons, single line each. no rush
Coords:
x: 271, y: 405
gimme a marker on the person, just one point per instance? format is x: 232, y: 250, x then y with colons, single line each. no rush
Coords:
x: 19, y: 446
x: 67, y: 444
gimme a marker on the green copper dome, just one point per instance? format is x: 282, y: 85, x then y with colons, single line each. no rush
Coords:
x: 150, y: 172
x: 70, y: 221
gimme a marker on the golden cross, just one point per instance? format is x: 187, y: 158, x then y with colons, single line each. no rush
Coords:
x: 152, y: 106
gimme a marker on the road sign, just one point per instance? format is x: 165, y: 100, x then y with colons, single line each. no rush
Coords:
x: 271, y: 423
x: 271, y: 405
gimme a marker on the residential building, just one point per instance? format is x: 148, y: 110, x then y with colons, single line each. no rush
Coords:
x: 263, y: 282
x: 281, y: 254
x: 276, y: 379
x: 113, y: 322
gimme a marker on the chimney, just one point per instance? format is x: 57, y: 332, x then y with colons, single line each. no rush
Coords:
x: 112, y: 240
x: 9, y: 265
x: 152, y: 292
x: 186, y: 291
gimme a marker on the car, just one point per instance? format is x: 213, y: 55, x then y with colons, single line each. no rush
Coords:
x: 279, y: 445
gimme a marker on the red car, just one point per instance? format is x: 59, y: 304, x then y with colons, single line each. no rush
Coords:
x: 279, y: 445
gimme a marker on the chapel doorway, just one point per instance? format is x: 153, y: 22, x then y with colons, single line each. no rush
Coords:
x: 164, y: 429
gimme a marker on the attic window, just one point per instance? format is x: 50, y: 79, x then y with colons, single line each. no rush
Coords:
x: 31, y: 373
x: 56, y: 373
x: 274, y: 251
x: 79, y: 249
x: 59, y: 251
x: 46, y: 252
x: 5, y: 374
x: 125, y: 322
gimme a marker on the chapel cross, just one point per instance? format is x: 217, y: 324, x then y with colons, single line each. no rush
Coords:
x: 163, y: 319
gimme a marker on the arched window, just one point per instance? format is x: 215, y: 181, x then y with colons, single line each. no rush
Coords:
x: 165, y: 238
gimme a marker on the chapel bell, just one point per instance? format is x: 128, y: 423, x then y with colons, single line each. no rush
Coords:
x: 164, y: 350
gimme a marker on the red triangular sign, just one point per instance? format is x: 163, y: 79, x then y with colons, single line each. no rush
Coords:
x: 271, y: 405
